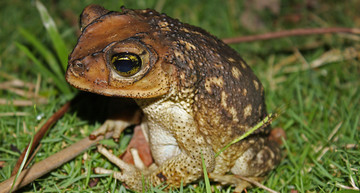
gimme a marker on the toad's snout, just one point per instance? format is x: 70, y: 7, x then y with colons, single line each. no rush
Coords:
x: 87, y: 71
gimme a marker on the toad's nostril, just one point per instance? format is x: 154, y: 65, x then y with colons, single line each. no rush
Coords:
x: 78, y: 67
x: 78, y: 64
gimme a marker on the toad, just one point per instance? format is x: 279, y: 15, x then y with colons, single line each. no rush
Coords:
x: 196, y: 94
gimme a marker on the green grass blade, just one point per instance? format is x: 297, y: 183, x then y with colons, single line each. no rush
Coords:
x: 23, y: 162
x: 9, y: 152
x: 60, y: 83
x: 55, y: 37
x: 206, y: 177
x: 44, y: 52
x: 266, y: 121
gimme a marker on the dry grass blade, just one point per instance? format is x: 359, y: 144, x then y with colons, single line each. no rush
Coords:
x: 330, y: 138
x: 23, y: 89
x: 14, y: 114
x: 334, y: 55
x: 20, y: 92
x: 23, y: 103
x: 18, y: 83
x: 334, y: 131
x: 346, y: 187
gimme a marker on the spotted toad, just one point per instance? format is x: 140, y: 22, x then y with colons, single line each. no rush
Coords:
x: 196, y: 93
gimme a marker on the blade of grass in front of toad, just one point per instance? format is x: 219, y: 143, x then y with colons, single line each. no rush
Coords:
x: 206, y: 177
x: 57, y: 41
x: 266, y: 121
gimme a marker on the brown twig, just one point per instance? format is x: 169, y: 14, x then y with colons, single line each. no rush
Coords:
x: 17, y: 83
x: 23, y: 89
x: 43, y: 167
x: 39, y: 135
x: 20, y: 92
x: 288, y: 33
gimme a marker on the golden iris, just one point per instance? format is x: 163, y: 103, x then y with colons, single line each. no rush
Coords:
x: 126, y: 64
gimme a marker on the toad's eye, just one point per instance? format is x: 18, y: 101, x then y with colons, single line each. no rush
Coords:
x: 126, y: 64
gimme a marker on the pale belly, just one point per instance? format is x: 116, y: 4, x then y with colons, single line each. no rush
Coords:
x: 163, y: 145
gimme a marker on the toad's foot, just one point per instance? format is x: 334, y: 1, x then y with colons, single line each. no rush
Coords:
x: 129, y: 173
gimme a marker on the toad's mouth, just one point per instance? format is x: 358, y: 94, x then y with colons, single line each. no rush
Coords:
x: 92, y: 74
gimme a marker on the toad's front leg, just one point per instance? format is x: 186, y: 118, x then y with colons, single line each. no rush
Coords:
x: 182, y: 168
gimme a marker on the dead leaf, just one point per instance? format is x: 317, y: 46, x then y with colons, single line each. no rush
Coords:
x: 138, y: 142
x: 277, y: 134
x: 334, y: 55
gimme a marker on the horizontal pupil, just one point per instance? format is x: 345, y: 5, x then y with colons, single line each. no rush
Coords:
x: 126, y: 64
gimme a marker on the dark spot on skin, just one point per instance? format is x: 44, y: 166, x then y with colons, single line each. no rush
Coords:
x: 161, y: 177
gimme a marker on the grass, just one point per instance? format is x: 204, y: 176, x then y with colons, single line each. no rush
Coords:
x: 322, y: 104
